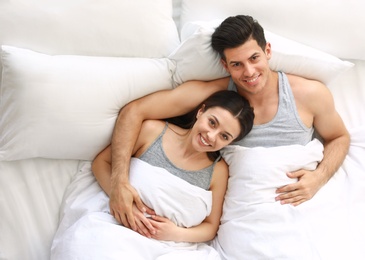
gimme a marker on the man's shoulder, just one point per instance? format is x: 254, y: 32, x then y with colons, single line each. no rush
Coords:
x: 300, y: 84
x: 295, y: 79
x: 308, y: 91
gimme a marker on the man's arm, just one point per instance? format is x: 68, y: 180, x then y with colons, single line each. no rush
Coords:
x: 336, y: 138
x: 159, y: 105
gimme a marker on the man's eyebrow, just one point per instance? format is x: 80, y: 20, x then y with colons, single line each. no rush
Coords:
x: 253, y: 54
x: 216, y: 119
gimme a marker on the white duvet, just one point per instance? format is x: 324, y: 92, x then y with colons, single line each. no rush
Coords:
x: 254, y: 225
x: 327, y: 227
x: 88, y: 231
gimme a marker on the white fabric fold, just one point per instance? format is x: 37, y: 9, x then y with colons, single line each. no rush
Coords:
x: 88, y: 231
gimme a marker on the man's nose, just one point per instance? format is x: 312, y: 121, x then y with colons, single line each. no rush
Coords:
x: 249, y: 70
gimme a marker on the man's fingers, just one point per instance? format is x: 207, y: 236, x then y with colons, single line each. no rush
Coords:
x: 140, y: 204
x: 131, y: 222
x: 142, y: 207
x: 293, y: 201
x: 296, y: 174
x: 287, y: 188
x: 123, y: 220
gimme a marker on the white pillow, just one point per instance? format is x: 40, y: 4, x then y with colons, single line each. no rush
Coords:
x: 326, y: 25
x: 124, y: 28
x: 139, y: 28
x: 65, y: 107
x: 196, y: 60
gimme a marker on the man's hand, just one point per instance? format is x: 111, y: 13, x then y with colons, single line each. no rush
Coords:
x: 309, y: 182
x: 123, y: 197
x: 144, y: 226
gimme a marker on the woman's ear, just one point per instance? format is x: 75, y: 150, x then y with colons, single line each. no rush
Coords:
x: 200, y: 111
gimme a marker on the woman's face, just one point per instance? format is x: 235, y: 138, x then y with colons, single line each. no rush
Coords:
x: 214, y: 129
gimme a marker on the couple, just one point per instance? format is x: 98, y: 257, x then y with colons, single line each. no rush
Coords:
x: 287, y: 110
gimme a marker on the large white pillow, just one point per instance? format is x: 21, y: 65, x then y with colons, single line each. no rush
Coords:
x: 138, y: 28
x: 65, y: 107
x: 196, y: 59
x: 327, y: 25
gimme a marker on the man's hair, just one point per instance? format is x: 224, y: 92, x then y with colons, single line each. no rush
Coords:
x: 235, y: 31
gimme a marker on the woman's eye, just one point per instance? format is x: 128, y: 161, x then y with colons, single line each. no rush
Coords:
x: 211, y: 122
x: 225, y: 137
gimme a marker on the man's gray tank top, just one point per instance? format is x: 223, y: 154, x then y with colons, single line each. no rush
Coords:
x: 286, y: 128
x: 155, y: 155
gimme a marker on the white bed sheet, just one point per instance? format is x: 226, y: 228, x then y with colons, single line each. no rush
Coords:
x: 31, y: 192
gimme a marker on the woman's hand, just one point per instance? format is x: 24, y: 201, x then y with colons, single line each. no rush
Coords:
x: 165, y: 229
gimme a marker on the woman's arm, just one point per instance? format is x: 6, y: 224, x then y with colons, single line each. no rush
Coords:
x: 207, y: 230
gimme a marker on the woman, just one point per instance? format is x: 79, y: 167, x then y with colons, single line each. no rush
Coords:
x: 188, y: 147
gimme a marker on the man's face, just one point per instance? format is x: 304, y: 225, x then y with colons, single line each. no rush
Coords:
x: 248, y: 66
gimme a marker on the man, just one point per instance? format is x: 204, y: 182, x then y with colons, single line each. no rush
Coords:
x: 287, y: 110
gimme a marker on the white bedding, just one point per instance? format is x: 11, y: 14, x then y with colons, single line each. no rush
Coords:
x: 88, y: 231
x: 31, y: 190
x: 255, y: 226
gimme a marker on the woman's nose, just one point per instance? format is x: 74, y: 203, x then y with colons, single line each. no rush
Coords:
x: 212, y: 135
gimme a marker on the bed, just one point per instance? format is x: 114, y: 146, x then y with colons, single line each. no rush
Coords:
x: 69, y: 66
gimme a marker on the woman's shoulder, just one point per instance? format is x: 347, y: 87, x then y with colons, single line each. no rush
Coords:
x: 220, y: 175
x: 153, y: 125
x: 222, y: 167
x: 151, y: 129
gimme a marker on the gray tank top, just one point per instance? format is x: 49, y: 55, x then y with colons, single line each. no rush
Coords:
x: 286, y: 128
x: 155, y: 155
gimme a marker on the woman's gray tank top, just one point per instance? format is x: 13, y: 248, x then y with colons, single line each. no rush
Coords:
x: 286, y: 128
x: 155, y: 155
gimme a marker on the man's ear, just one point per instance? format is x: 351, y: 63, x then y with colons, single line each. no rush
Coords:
x: 224, y: 63
x: 268, y: 51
